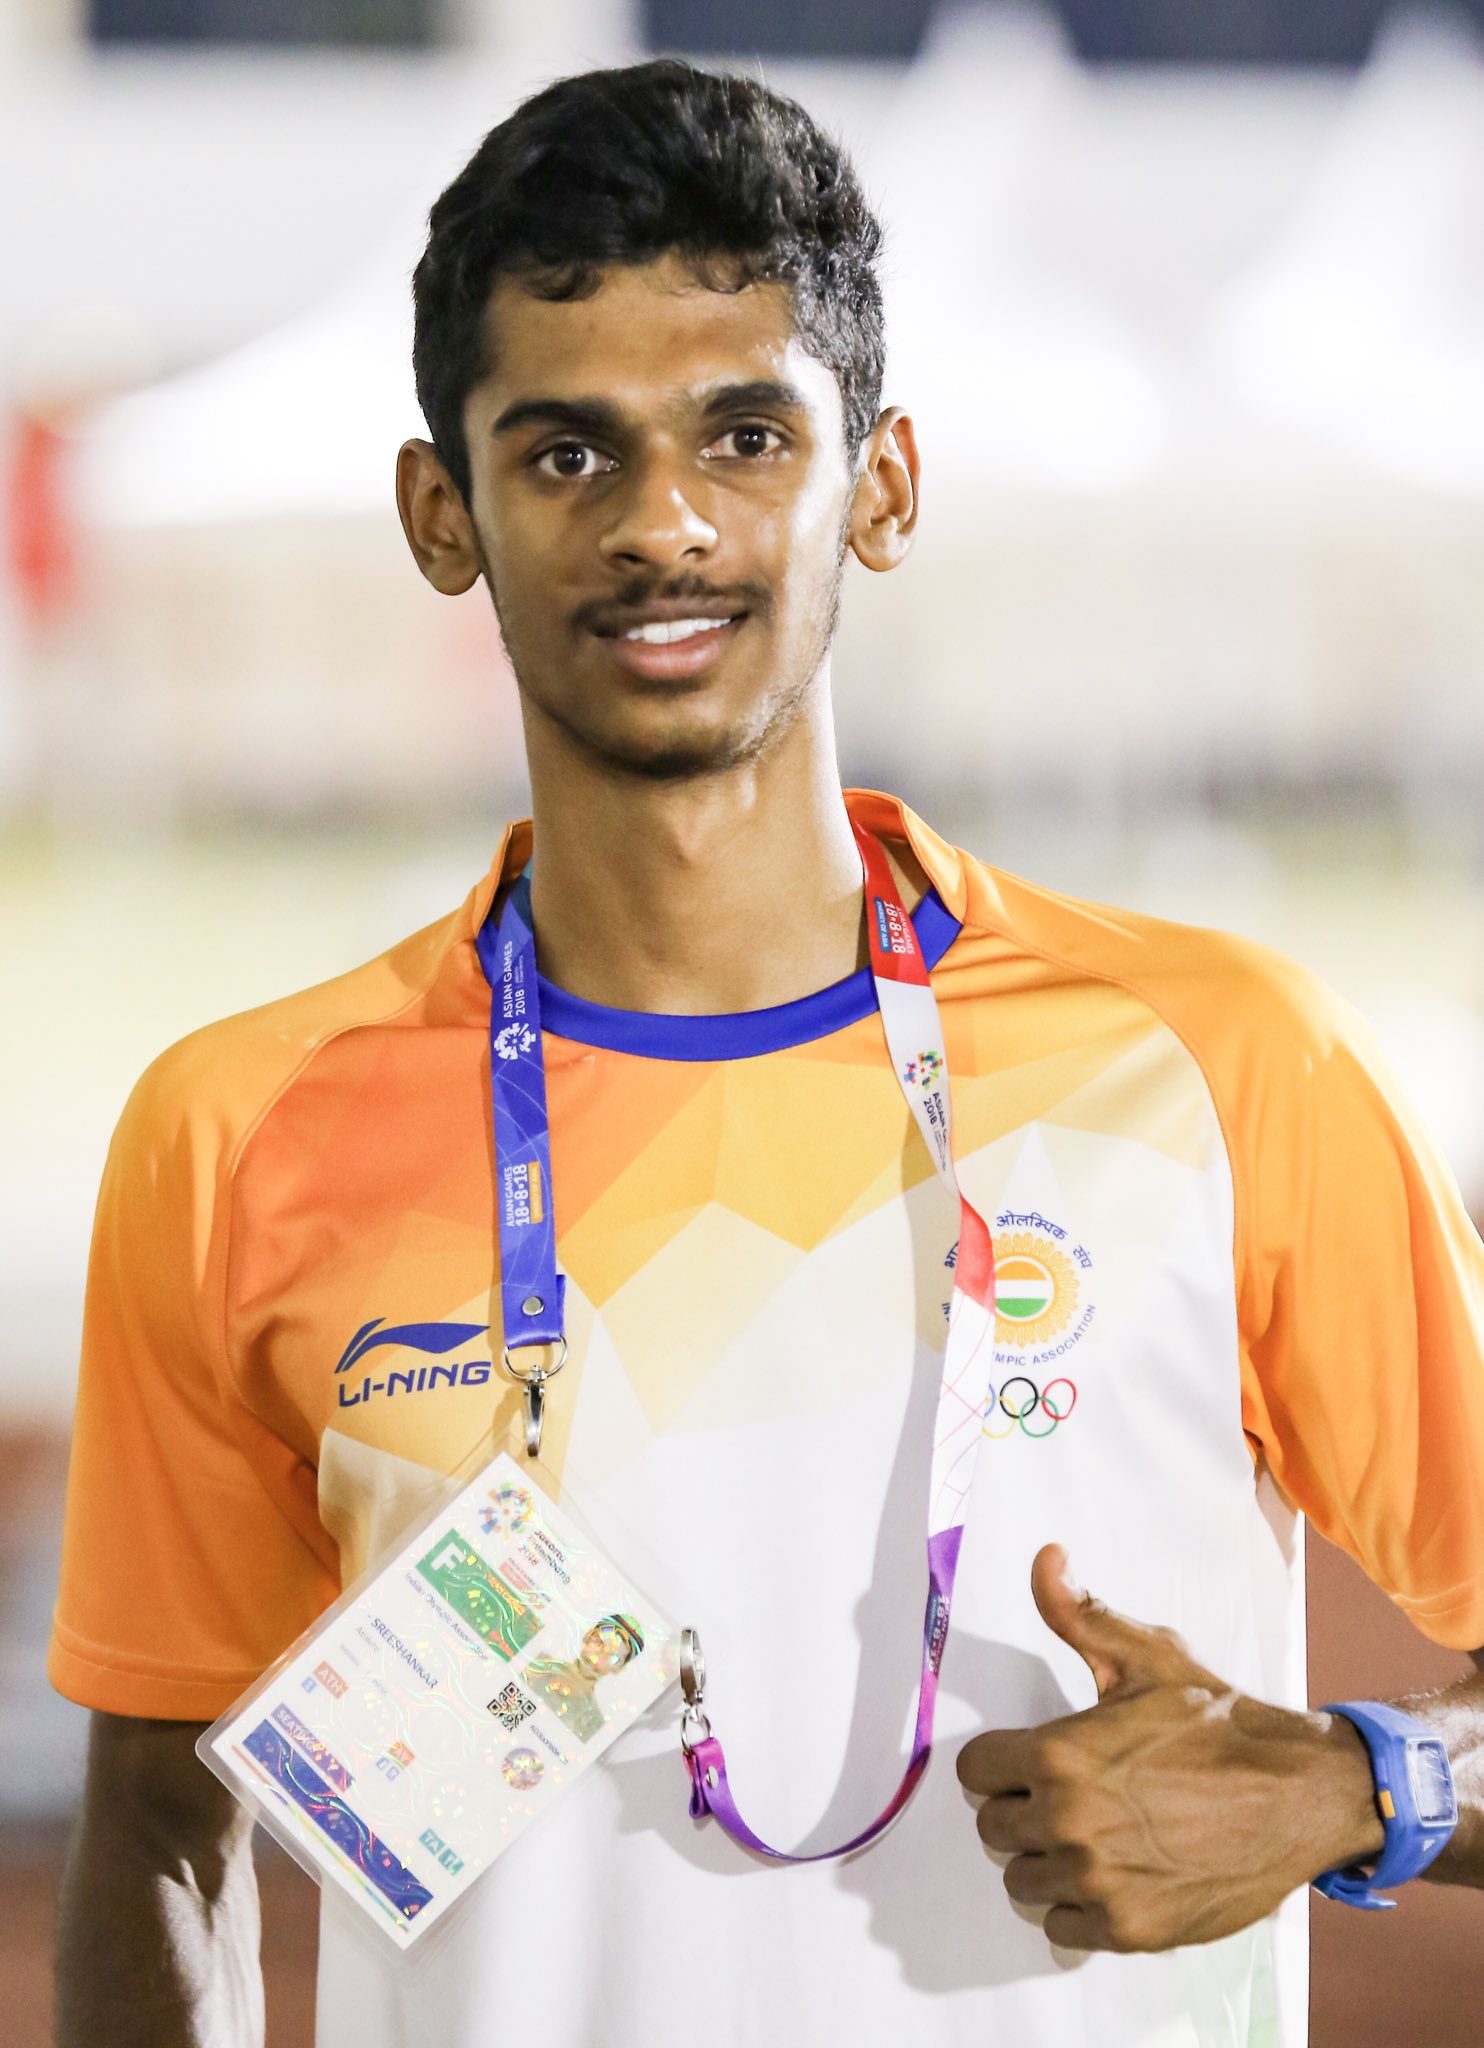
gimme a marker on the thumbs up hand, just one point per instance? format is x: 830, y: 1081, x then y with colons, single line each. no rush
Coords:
x: 1177, y: 1809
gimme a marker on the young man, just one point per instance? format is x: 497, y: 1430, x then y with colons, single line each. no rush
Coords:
x: 569, y: 1686
x: 1233, y: 1282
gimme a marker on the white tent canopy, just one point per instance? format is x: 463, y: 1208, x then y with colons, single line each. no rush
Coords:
x: 1039, y: 284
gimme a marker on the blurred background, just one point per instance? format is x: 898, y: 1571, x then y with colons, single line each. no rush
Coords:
x: 1189, y: 305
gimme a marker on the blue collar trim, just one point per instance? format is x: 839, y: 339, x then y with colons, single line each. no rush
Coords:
x: 652, y: 1034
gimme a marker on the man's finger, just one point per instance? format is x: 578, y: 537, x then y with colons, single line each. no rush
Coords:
x: 1013, y: 1820
x: 1002, y: 1760
x: 1054, y: 1878
x: 1075, y: 1927
x: 1116, y: 1649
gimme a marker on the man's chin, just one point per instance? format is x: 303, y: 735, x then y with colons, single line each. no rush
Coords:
x: 669, y: 756
x: 678, y: 735
x: 678, y: 764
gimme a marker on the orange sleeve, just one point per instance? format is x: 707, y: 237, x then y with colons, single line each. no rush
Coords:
x: 1360, y: 1293
x: 188, y: 1558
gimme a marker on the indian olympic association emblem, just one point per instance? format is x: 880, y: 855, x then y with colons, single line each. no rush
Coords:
x: 1043, y: 1310
x: 1042, y: 1284
x: 1036, y: 1291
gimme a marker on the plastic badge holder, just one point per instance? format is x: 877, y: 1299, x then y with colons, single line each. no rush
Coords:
x: 449, y: 1697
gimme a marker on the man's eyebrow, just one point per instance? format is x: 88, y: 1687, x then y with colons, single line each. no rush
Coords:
x: 579, y: 415
x: 605, y: 421
x: 763, y: 394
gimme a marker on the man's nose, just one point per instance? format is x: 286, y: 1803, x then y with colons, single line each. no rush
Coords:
x: 659, y: 520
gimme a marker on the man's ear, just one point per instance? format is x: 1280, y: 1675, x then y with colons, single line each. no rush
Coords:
x: 435, y: 520
x: 884, y: 512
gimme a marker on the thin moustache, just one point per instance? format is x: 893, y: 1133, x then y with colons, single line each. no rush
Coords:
x: 613, y: 616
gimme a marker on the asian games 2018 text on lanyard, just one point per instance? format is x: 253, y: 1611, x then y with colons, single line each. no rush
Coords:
x: 532, y: 1290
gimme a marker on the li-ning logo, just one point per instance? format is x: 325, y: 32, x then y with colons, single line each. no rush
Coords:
x: 893, y: 930
x: 514, y: 1040
x: 437, y: 1338
x: 923, y: 1072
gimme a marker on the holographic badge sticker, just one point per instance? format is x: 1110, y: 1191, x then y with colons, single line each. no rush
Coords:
x: 446, y: 1702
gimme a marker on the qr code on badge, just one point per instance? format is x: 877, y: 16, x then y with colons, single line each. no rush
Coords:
x: 510, y: 1707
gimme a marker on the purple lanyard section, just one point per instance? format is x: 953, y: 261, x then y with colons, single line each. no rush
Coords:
x: 710, y: 1788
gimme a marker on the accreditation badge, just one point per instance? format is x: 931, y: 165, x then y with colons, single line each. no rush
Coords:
x: 446, y: 1700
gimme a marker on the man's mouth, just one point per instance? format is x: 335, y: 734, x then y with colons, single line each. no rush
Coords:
x: 662, y: 632
x: 672, y: 650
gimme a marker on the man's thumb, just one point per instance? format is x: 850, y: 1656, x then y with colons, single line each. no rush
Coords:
x: 1117, y: 1651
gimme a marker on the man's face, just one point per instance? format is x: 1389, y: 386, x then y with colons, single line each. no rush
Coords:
x: 659, y: 460
x: 604, y: 1649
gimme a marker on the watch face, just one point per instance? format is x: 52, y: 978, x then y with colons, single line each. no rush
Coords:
x: 1432, y: 1788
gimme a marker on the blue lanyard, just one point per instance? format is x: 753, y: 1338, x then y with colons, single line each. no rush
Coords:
x: 532, y: 1291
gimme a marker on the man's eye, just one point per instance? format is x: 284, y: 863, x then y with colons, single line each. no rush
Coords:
x: 573, y: 459
x: 752, y: 440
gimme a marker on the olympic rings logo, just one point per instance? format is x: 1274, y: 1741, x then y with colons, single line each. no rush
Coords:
x: 1020, y: 1400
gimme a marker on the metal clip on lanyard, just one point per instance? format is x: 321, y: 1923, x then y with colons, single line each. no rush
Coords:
x: 532, y: 1291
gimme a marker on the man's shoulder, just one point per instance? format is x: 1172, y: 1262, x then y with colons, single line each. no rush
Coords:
x: 1227, y: 996
x: 1212, y: 987
x: 210, y: 1089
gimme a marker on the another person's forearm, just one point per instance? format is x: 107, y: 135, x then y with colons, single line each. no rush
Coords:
x: 1457, y: 1715
x: 158, y: 1950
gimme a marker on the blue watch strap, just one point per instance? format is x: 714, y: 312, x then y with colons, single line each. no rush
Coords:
x: 1414, y: 1796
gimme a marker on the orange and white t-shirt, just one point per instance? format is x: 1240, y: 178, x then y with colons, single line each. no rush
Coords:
x: 1234, y: 1283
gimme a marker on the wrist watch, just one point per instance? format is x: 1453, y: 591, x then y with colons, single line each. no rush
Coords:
x: 1414, y: 1796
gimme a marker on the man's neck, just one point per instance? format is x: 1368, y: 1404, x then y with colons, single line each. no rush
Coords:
x: 727, y: 892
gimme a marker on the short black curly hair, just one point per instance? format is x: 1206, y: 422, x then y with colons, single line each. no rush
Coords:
x: 625, y: 166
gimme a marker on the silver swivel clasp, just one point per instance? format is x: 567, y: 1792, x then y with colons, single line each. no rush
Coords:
x: 533, y: 1379
x: 694, y: 1726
